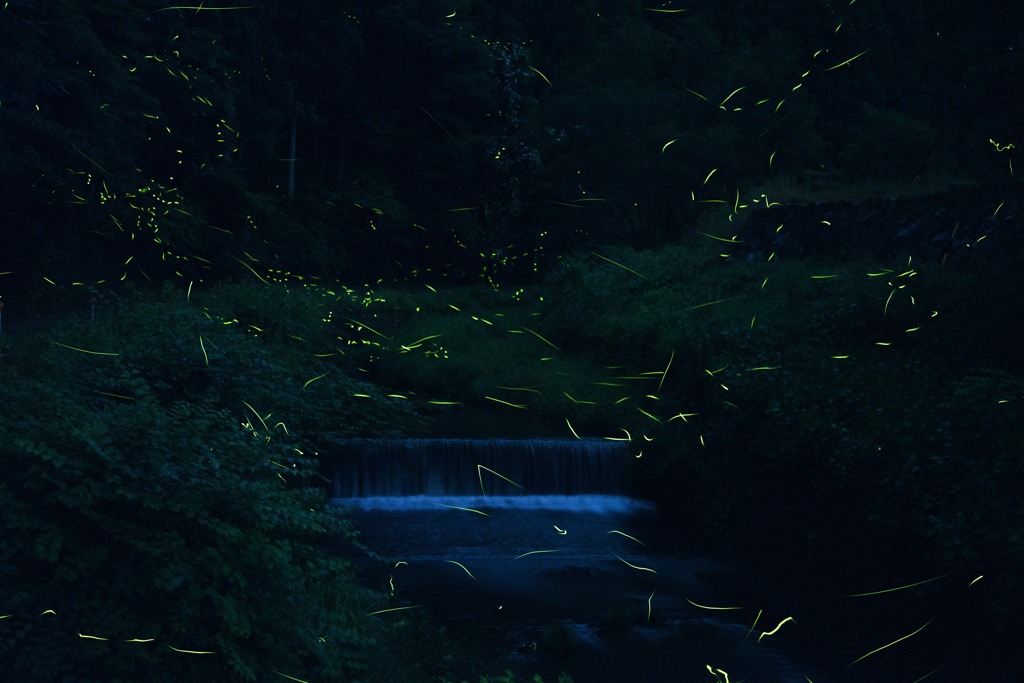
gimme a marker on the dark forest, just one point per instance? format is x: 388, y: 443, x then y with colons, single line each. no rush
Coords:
x: 772, y: 248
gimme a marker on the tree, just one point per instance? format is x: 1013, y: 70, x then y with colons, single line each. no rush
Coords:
x: 160, y: 513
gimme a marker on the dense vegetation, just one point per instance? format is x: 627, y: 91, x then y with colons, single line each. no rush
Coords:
x: 154, y: 501
x: 367, y: 140
x: 831, y: 392
x: 766, y: 244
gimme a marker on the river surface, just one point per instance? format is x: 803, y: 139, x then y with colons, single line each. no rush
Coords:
x: 586, y: 585
x: 530, y: 553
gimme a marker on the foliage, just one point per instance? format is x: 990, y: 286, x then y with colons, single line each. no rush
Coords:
x: 845, y: 384
x: 166, y: 491
x: 509, y: 677
x: 150, y: 507
x: 888, y: 145
x: 469, y: 347
x: 842, y: 383
x: 178, y: 159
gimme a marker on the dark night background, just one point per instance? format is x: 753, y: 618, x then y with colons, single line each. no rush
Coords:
x: 205, y: 207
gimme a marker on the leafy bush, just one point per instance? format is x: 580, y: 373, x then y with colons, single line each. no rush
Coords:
x: 887, y: 144
x: 148, y: 512
x: 483, y: 348
x: 820, y: 398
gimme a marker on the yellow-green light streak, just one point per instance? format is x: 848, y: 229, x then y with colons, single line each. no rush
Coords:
x: 897, y: 588
x: 879, y: 649
x: 91, y: 353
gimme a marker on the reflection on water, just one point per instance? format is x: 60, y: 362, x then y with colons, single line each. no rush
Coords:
x: 573, y: 583
x: 529, y: 551
x: 593, y: 503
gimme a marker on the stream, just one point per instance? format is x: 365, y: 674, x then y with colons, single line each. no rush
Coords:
x: 598, y: 585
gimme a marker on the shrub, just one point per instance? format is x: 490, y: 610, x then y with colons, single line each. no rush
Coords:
x: 147, y: 512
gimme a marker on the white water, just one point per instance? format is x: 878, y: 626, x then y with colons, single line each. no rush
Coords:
x: 502, y: 540
x: 587, y: 564
x: 369, y: 468
x: 592, y: 503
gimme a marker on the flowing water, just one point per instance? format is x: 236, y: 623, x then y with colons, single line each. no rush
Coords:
x: 399, y: 468
x: 532, y: 551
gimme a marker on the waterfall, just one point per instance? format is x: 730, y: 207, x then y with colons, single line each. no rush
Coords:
x: 500, y: 470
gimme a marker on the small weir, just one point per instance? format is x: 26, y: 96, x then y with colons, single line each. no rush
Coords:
x: 588, y: 474
x: 533, y: 550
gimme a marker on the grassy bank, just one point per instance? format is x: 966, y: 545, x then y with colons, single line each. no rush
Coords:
x: 164, y: 452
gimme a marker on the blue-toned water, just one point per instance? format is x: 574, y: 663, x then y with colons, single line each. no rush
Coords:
x: 507, y: 579
x: 584, y: 502
x: 533, y: 552
x: 382, y: 468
